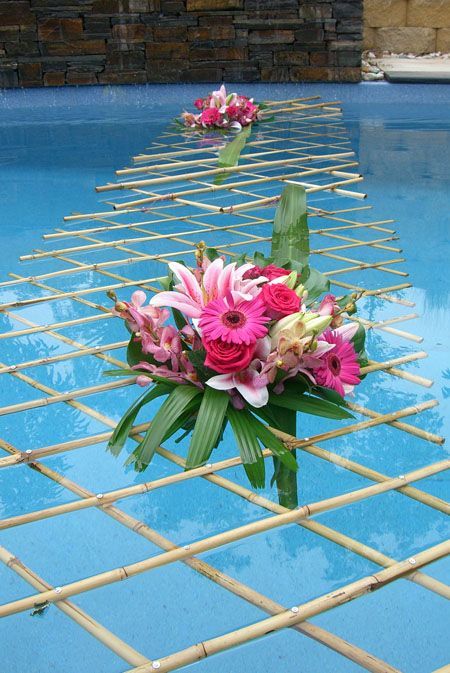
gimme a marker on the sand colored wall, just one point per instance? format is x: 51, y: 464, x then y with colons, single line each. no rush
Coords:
x: 415, y: 26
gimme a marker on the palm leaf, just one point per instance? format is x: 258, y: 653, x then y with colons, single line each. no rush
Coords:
x: 166, y: 417
x: 274, y: 444
x: 229, y: 155
x: 208, y: 426
x: 310, y: 405
x: 123, y: 428
x: 290, y: 238
x: 249, y: 448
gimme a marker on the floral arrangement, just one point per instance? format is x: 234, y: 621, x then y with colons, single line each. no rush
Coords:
x: 220, y: 110
x: 249, y: 344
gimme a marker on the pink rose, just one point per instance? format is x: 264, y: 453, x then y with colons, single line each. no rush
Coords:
x: 228, y: 358
x: 279, y: 300
x: 210, y: 116
x: 271, y: 272
x: 254, y: 272
x: 199, y: 103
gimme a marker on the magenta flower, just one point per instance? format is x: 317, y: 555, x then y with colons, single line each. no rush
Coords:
x: 234, y: 321
x: 191, y: 294
x: 339, y: 369
x: 210, y: 116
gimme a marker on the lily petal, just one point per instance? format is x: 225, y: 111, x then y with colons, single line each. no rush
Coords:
x: 211, y: 276
x: 188, y: 281
x: 347, y: 331
x: 179, y: 301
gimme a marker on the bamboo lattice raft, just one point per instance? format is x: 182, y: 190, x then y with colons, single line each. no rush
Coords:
x: 172, y: 197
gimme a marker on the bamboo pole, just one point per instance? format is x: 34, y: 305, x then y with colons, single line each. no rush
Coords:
x: 390, y: 368
x: 76, y: 293
x: 55, y: 325
x: 114, y: 226
x: 82, y: 352
x: 385, y: 326
x: 219, y: 540
x: 301, y: 612
x: 155, y: 198
x: 366, y: 660
x: 142, y: 239
x: 219, y: 171
x: 63, y: 397
x: 94, y: 628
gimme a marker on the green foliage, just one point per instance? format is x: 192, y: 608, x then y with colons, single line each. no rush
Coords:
x: 123, y: 428
x: 249, y: 448
x: 208, y: 426
x: 229, y: 155
x: 309, y: 404
x: 168, y: 419
x: 290, y: 240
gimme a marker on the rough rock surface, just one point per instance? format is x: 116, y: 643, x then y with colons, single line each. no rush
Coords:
x: 44, y: 42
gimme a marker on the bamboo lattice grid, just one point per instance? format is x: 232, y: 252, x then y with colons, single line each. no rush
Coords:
x: 173, y: 197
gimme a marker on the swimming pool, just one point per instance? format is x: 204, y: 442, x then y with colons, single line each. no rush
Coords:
x: 55, y: 146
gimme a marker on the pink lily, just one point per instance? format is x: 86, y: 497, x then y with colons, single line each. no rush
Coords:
x: 190, y: 296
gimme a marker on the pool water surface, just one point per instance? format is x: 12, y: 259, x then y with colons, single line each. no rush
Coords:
x: 55, y: 146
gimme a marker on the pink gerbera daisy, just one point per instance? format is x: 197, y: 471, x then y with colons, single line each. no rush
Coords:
x: 234, y: 322
x: 339, y: 369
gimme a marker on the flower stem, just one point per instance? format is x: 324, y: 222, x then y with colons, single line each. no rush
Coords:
x: 285, y: 478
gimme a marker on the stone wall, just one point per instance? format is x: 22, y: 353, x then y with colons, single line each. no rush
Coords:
x: 411, y: 26
x: 51, y: 43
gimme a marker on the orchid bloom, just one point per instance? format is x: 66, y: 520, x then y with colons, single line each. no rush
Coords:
x: 313, y: 324
x: 190, y: 296
x: 250, y: 383
x: 139, y: 316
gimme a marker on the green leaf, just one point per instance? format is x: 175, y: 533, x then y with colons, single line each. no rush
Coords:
x: 330, y: 395
x: 309, y: 405
x: 174, y: 406
x: 315, y: 282
x: 134, y: 352
x: 122, y: 372
x: 208, y: 426
x: 123, y: 428
x: 273, y: 443
x: 359, y: 339
x: 249, y: 448
x: 290, y: 238
x: 212, y: 254
x: 229, y: 155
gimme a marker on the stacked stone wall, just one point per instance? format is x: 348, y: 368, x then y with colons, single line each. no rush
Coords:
x: 52, y: 43
x: 411, y: 26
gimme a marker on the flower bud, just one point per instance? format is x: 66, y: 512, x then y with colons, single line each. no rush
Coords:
x: 291, y: 280
x: 301, y: 292
x: 120, y: 306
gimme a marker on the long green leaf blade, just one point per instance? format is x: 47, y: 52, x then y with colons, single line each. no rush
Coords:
x: 123, y: 428
x: 173, y: 407
x: 249, y: 448
x: 310, y: 405
x: 290, y: 238
x: 208, y: 426
x: 273, y: 443
x: 229, y: 155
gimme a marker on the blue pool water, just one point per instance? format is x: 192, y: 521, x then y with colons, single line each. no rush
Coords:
x: 55, y: 146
